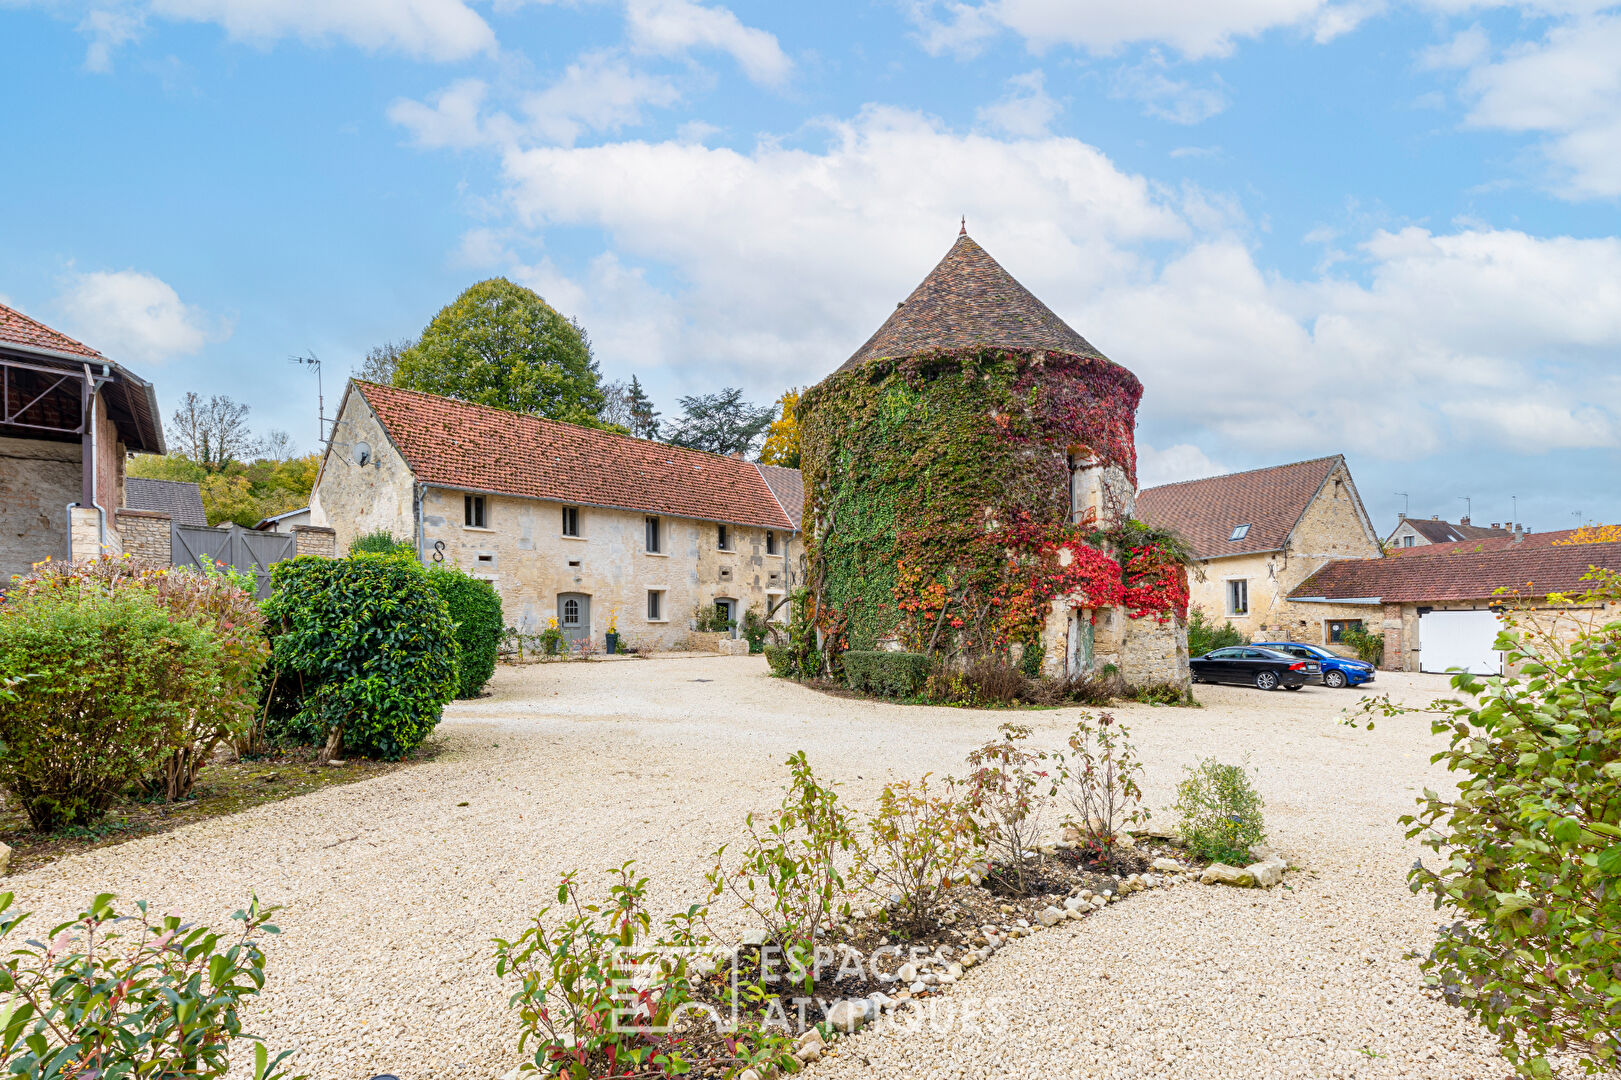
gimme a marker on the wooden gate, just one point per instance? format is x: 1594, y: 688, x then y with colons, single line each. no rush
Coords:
x: 235, y: 546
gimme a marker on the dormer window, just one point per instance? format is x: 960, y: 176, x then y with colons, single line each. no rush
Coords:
x: 1239, y: 532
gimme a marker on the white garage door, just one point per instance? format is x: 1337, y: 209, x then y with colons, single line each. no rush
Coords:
x: 1459, y: 639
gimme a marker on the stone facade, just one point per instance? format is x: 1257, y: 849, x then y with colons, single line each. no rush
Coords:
x: 38, y: 480
x: 147, y: 534
x: 1331, y: 527
x: 315, y: 540
x: 522, y: 549
x: 1563, y: 621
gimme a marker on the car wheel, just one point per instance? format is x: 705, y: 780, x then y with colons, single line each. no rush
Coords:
x: 1336, y: 679
x: 1266, y: 680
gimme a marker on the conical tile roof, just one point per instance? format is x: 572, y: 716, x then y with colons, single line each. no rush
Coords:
x: 969, y: 302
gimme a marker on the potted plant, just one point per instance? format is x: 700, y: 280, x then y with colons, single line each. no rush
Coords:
x: 613, y: 631
x: 552, y: 639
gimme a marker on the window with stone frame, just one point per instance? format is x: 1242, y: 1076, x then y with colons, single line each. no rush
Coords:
x: 1338, y: 628
x: 473, y: 511
x: 571, y: 521
x: 1238, y: 596
x: 723, y: 537
x: 655, y: 605
x: 654, y: 535
x: 770, y: 542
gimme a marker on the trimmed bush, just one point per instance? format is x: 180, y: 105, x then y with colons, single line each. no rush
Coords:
x: 1221, y: 812
x: 371, y: 646
x: 890, y: 674
x: 110, y: 681
x: 476, y: 610
x: 781, y: 659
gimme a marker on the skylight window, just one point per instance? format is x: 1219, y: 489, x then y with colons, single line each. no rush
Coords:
x: 1239, y: 532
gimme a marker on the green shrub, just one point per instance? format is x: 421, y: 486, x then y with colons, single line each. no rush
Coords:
x: 370, y: 644
x: 160, y: 1000
x: 1203, y: 635
x: 112, y: 682
x: 1010, y: 790
x: 920, y: 845
x: 1163, y: 693
x: 781, y: 659
x: 1529, y: 849
x: 475, y: 608
x: 380, y: 542
x: 1367, y: 646
x: 888, y: 674
x: 1221, y: 812
x: 755, y: 629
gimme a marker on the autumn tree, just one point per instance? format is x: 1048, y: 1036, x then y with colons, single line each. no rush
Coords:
x: 782, y: 437
x: 499, y: 344
x: 382, y: 361
x: 212, y: 433
x: 720, y: 423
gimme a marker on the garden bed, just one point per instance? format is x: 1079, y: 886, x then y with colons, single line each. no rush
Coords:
x: 222, y: 788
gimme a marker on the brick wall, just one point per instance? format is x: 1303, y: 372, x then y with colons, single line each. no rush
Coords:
x: 146, y: 534
x: 316, y: 540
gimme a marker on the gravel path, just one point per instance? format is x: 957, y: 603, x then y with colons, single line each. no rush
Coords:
x: 393, y: 889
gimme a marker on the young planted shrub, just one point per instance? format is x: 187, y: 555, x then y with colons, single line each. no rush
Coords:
x: 112, y: 682
x: 130, y: 996
x: 1100, y: 783
x: 371, y: 647
x: 475, y: 608
x: 788, y: 876
x: 888, y: 674
x: 919, y: 845
x: 1220, y: 812
x: 1204, y: 635
x: 380, y: 542
x: 1010, y: 792
x: 1529, y: 849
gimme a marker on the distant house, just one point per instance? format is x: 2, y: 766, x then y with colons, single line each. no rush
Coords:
x: 284, y: 522
x: 568, y: 522
x: 1416, y: 532
x: 1257, y: 535
x: 1438, y: 604
x: 181, y: 500
x: 68, y: 417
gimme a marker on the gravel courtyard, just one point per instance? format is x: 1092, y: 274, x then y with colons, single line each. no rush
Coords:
x: 393, y: 887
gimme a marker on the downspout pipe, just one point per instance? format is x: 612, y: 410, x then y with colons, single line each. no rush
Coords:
x: 91, y: 392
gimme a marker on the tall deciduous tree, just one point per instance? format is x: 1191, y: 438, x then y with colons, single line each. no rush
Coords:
x: 212, y: 433
x: 499, y: 344
x: 382, y: 360
x: 782, y: 437
x: 721, y: 423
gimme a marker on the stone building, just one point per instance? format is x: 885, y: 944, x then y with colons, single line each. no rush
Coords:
x: 68, y: 417
x: 584, y: 526
x: 1416, y: 532
x: 970, y: 483
x: 1439, y: 606
x: 1258, y: 534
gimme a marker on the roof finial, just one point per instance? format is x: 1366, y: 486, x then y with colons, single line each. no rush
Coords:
x: 964, y: 230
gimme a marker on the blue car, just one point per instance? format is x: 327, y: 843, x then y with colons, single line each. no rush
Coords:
x: 1337, y: 670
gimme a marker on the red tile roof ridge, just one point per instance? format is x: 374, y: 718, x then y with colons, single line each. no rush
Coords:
x: 18, y: 329
x: 1244, y: 472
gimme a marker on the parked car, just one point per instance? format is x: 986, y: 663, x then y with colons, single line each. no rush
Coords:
x: 1265, y: 669
x: 1338, y: 671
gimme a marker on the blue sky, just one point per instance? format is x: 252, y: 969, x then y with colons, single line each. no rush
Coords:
x: 1310, y: 226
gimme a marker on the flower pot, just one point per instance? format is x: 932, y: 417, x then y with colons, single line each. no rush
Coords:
x: 613, y: 644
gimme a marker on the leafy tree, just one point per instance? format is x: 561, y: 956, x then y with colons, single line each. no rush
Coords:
x: 382, y: 361
x: 782, y: 437
x: 644, y: 419
x: 499, y: 344
x: 721, y: 423
x: 243, y: 493
x: 213, y: 433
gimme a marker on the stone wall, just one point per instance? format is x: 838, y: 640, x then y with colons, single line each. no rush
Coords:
x: 1145, y: 651
x: 1562, y: 621
x: 87, y: 539
x: 147, y: 534
x: 1156, y: 653
x: 38, y: 479
x: 315, y: 540
x: 353, y: 500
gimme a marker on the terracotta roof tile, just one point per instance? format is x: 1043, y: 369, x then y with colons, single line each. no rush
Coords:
x: 968, y: 301
x: 18, y: 329
x: 1468, y: 570
x: 1443, y: 532
x: 1206, y: 512
x: 459, y: 445
x: 789, y: 488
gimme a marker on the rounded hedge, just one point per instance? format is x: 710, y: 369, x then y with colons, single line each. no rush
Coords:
x: 476, y: 610
x: 370, y: 645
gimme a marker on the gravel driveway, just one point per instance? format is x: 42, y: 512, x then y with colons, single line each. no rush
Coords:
x: 393, y: 887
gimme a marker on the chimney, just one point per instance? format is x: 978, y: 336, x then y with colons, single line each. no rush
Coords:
x: 1435, y: 517
x: 1497, y: 525
x: 1463, y: 521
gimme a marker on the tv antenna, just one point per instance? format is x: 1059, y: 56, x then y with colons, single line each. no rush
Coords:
x: 1516, y: 518
x: 320, y: 397
x: 1404, y: 503
x: 1468, y: 506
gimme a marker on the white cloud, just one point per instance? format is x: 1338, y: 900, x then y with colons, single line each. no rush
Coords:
x: 1161, y: 96
x: 1464, y: 49
x: 768, y: 267
x: 1026, y: 110
x: 672, y: 27
x: 453, y: 120
x: 1195, y: 28
x: 1184, y: 461
x: 1566, y: 87
x: 134, y: 317
x: 598, y: 92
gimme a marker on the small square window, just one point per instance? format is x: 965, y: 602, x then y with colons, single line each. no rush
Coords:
x: 653, y: 537
x: 1407, y: 541
x: 486, y: 559
x: 655, y: 605
x: 723, y: 538
x: 1238, y: 597
x: 571, y: 521
x: 770, y: 542
x: 473, y: 511
x: 1239, y: 532
x: 1337, y: 629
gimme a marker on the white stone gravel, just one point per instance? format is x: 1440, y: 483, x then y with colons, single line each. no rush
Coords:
x: 392, y: 891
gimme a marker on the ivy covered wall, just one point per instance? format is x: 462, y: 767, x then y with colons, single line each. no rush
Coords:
x: 938, y: 500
